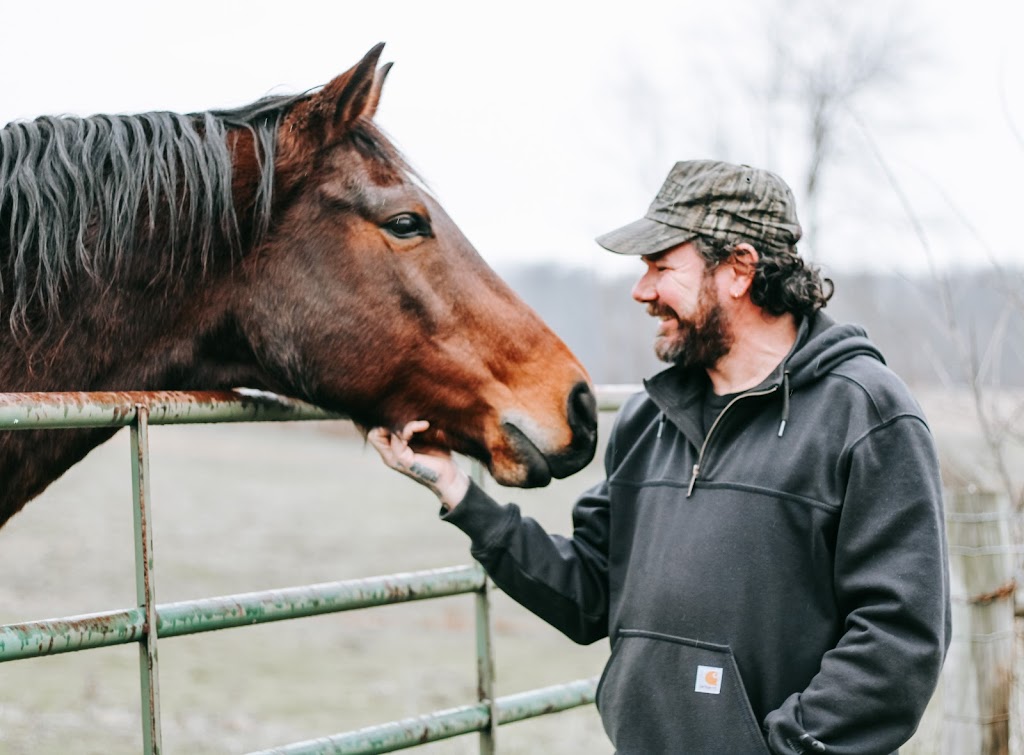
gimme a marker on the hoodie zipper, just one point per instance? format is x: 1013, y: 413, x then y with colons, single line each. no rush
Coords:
x: 704, y: 445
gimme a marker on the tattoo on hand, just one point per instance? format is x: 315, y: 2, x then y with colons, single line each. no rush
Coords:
x: 423, y: 472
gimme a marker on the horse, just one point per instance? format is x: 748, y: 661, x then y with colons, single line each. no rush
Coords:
x: 284, y: 246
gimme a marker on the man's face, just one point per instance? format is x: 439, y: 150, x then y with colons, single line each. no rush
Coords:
x: 679, y: 290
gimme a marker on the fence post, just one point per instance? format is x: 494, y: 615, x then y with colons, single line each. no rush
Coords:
x: 978, y: 686
x: 485, y: 648
x: 149, y: 678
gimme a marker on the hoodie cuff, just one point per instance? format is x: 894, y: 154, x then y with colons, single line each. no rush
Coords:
x: 479, y: 516
x: 786, y: 732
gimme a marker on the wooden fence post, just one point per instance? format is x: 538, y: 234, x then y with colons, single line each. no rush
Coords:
x: 979, y: 674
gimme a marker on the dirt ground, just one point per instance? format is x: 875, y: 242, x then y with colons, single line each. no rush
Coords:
x: 248, y: 507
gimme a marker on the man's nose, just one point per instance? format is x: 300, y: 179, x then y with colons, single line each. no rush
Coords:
x: 643, y: 289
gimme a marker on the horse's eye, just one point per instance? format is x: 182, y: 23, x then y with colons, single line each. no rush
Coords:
x: 407, y: 225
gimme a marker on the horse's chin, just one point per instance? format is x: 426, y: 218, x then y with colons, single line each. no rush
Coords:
x: 521, y: 477
x: 528, y: 467
x: 517, y: 464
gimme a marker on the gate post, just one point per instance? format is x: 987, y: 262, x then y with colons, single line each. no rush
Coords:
x: 485, y: 649
x: 485, y: 668
x: 151, y: 740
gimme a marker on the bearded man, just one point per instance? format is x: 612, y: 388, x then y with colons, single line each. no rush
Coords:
x: 767, y: 551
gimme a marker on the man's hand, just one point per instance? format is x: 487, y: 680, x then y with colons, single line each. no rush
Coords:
x: 433, y: 467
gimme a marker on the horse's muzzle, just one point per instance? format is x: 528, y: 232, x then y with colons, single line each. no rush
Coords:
x: 581, y: 414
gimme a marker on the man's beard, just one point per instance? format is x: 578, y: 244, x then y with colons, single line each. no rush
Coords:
x: 698, y: 341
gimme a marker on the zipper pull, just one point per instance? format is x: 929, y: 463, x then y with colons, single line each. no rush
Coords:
x: 661, y: 424
x: 785, y: 402
x: 693, y: 479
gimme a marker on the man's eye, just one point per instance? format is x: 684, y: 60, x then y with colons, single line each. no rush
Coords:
x: 406, y: 225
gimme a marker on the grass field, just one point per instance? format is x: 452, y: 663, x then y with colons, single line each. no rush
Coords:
x: 249, y: 507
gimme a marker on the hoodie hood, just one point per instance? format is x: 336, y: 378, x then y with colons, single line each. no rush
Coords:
x: 821, y: 346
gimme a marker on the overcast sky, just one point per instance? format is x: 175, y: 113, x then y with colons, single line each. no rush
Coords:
x: 524, y: 117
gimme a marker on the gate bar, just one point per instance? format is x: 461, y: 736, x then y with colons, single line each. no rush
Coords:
x: 117, y: 409
x: 95, y: 630
x: 485, y: 647
x: 445, y: 724
x: 485, y: 670
x: 144, y: 587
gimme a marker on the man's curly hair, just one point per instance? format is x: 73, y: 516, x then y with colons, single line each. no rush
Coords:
x: 783, y: 282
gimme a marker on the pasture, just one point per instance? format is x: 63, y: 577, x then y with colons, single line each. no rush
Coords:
x: 249, y: 507
x: 256, y: 506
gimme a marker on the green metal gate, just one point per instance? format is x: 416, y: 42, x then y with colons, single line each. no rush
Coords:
x: 148, y: 621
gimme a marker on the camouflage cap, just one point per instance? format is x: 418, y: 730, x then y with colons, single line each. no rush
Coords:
x: 711, y: 198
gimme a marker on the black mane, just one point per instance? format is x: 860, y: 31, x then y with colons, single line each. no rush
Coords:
x: 78, y: 194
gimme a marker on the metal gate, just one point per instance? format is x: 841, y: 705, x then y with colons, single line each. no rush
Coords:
x: 148, y: 621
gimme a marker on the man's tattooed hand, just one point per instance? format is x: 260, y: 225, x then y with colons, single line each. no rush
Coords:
x: 432, y: 467
x: 424, y: 473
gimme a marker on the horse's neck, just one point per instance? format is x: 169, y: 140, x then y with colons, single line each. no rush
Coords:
x: 115, y: 342
x: 128, y: 339
x: 31, y: 459
x: 82, y: 350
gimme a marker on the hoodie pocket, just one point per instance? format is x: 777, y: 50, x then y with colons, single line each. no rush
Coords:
x: 665, y: 694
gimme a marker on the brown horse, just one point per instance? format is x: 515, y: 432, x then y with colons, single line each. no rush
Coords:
x: 284, y: 246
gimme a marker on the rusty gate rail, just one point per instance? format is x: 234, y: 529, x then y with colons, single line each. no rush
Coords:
x: 412, y: 732
x: 39, y: 411
x: 65, y: 635
x: 149, y: 621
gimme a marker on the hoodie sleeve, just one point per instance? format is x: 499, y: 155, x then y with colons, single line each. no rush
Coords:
x: 562, y: 580
x: 892, y: 586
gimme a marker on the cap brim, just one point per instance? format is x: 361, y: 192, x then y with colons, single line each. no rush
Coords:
x: 644, y: 236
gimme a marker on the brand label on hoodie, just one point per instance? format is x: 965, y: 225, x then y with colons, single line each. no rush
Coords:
x: 709, y: 680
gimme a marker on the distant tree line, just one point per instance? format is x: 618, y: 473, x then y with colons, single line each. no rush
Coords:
x: 904, y: 316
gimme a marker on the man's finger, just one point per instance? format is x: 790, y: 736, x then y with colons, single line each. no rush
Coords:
x: 411, y: 428
x: 379, y: 437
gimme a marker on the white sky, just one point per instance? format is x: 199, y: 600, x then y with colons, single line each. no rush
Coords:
x: 515, y: 113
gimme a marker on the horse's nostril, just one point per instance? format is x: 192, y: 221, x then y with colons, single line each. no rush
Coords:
x: 582, y: 409
x: 581, y: 412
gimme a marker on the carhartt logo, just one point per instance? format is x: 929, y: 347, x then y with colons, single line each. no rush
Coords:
x: 709, y: 680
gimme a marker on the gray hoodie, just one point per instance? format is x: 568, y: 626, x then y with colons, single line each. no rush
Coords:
x: 778, y: 585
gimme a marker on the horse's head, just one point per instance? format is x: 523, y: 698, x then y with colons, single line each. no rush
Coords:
x: 364, y: 297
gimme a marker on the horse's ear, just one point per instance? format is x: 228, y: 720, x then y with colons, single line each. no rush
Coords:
x: 378, y: 85
x: 355, y: 93
x: 353, y: 90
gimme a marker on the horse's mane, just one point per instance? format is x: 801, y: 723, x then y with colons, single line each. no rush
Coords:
x: 75, y: 191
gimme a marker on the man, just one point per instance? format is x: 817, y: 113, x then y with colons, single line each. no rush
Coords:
x: 767, y: 552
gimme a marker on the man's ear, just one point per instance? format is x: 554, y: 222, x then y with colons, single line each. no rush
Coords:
x: 743, y: 263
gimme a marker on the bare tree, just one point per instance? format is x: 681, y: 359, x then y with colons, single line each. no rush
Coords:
x: 827, y: 61
x: 978, y: 356
x: 805, y: 68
